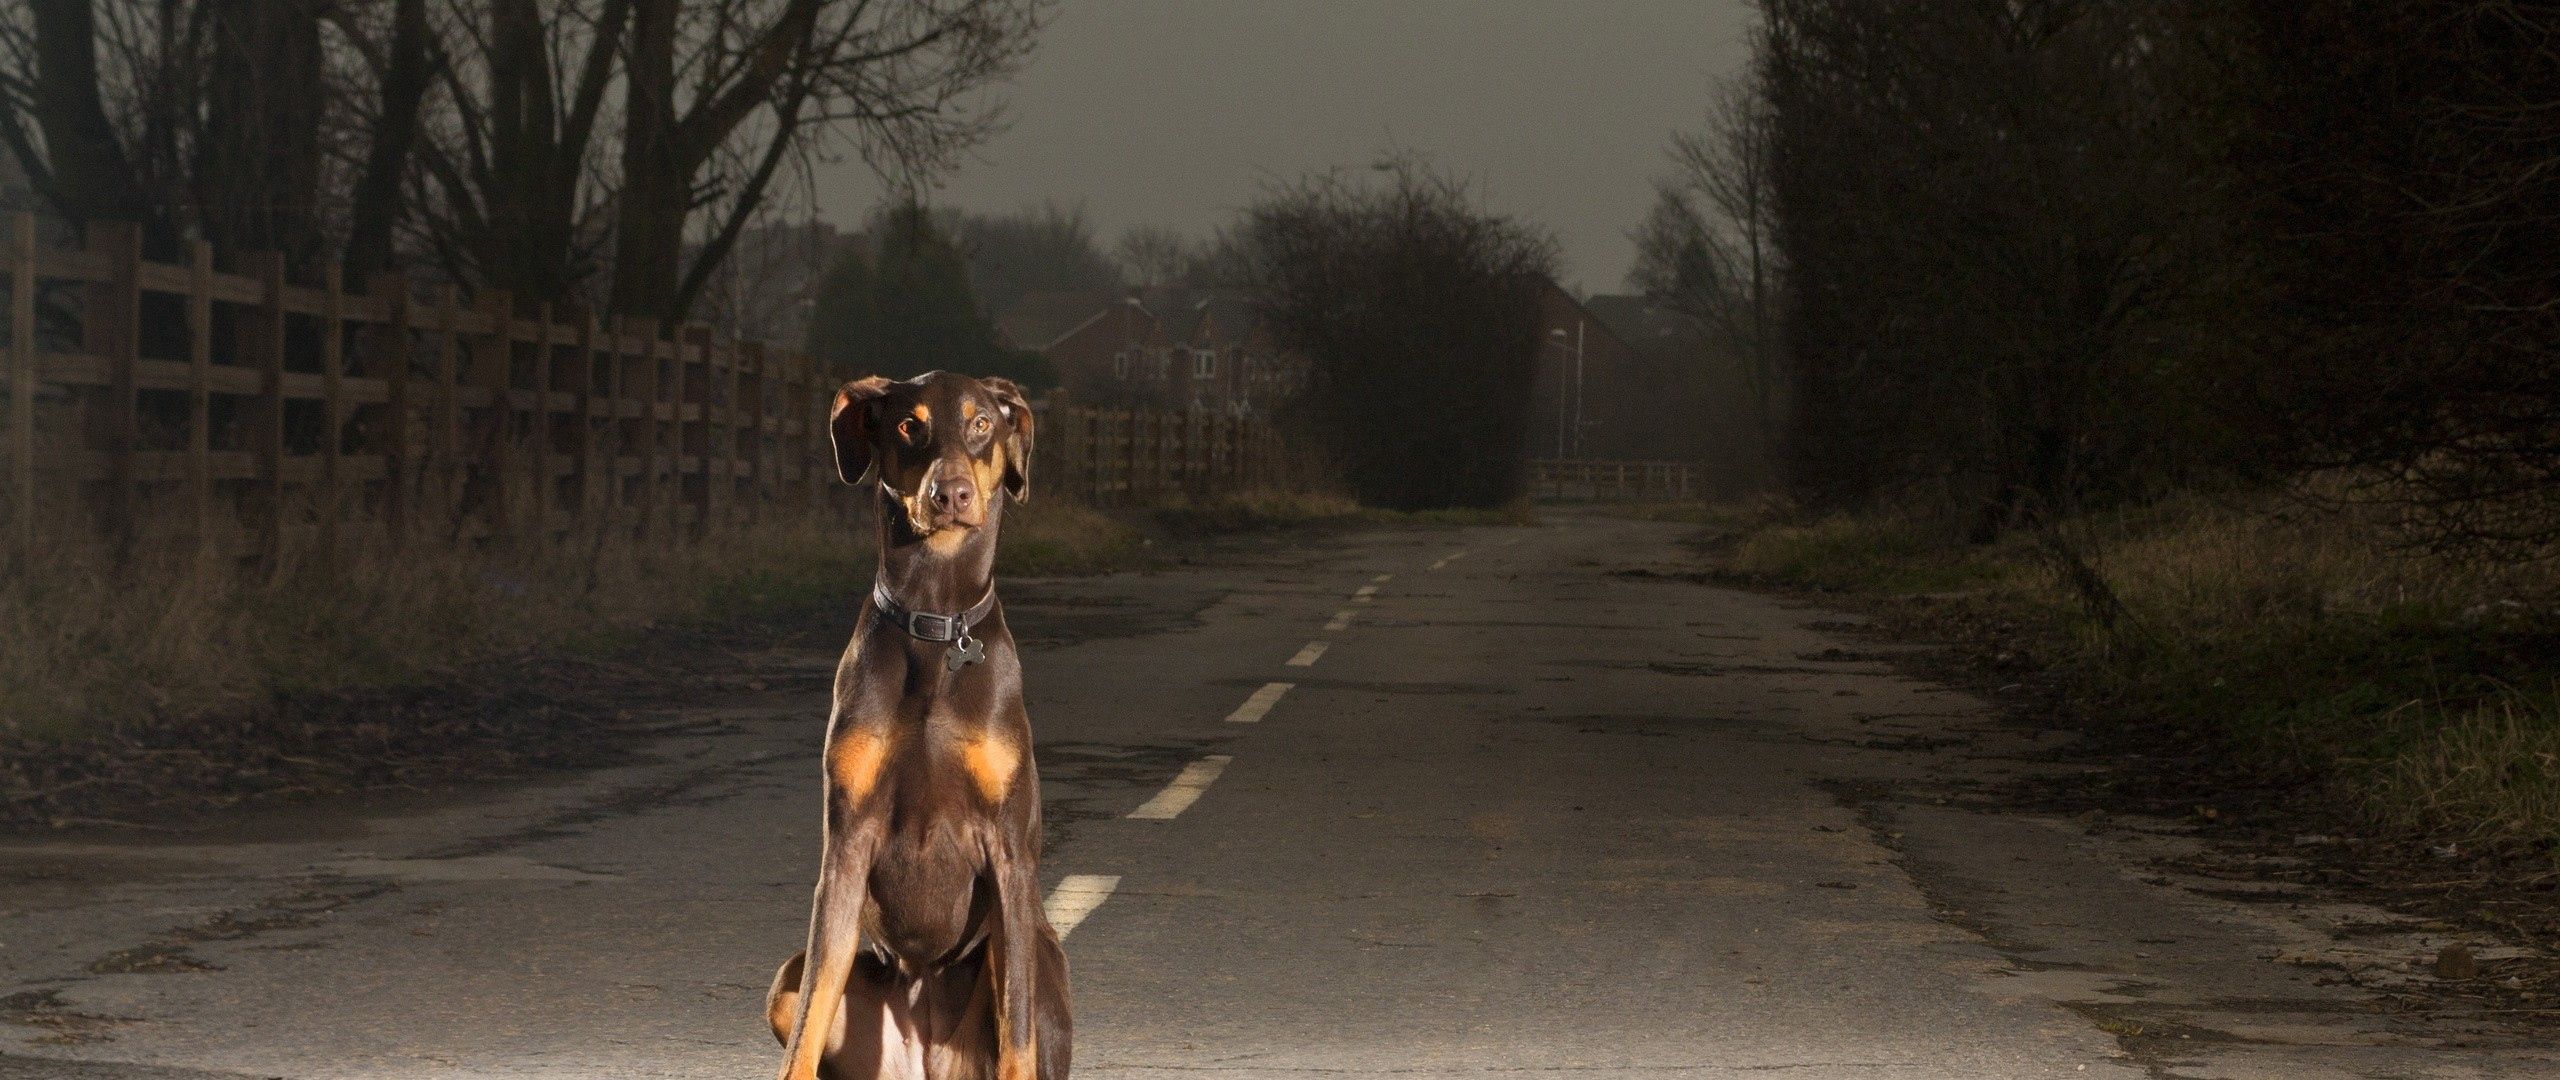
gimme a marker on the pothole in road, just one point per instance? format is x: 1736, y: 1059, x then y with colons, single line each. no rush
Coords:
x: 62, y: 1026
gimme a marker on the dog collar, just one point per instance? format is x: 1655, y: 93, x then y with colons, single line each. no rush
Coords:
x: 936, y: 627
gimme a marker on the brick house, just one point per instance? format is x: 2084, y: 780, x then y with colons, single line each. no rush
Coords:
x: 1595, y: 395
x: 1179, y: 349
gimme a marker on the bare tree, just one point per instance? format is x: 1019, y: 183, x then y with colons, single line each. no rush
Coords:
x: 406, y: 70
x: 1990, y: 230
x: 560, y: 150
x: 56, y: 123
x: 901, y: 79
x: 1155, y: 256
x: 234, y: 121
x: 2395, y: 168
x: 1708, y: 248
x: 511, y: 186
x: 1036, y: 249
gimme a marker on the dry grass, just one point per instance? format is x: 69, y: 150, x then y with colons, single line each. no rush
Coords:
x: 84, y: 646
x: 2488, y: 775
x: 2417, y: 687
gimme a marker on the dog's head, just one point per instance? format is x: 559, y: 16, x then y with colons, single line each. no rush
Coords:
x: 944, y: 446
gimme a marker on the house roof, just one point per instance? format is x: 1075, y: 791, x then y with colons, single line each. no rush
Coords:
x: 1039, y: 319
x: 1560, y: 301
x: 1182, y: 311
x: 1638, y: 319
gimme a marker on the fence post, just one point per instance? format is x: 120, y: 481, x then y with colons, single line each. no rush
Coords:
x: 24, y: 358
x: 546, y: 338
x: 494, y: 364
x: 333, y: 401
x: 111, y: 327
x: 199, y: 388
x: 758, y: 450
x: 816, y: 412
x: 1086, y: 462
x: 444, y: 424
x: 387, y: 358
x: 654, y: 383
x: 713, y: 501
x: 590, y: 413
x: 625, y: 429
x: 692, y: 439
x: 794, y: 408
x: 1134, y: 423
x: 263, y: 338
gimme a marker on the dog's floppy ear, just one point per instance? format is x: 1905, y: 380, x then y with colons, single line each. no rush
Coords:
x: 851, y: 423
x: 1017, y: 439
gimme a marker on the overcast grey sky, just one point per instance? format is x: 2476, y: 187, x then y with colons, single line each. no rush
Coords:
x: 1175, y: 112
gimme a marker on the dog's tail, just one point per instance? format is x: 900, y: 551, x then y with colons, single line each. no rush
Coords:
x: 782, y: 1003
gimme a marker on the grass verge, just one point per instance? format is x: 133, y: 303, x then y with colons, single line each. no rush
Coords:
x: 2416, y: 693
x: 84, y: 646
x: 182, y: 681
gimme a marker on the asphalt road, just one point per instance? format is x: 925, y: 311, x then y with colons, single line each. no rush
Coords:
x: 1438, y: 803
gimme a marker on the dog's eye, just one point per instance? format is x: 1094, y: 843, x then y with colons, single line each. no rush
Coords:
x: 911, y: 429
x: 981, y: 426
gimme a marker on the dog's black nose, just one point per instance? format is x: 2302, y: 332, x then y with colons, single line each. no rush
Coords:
x: 955, y: 496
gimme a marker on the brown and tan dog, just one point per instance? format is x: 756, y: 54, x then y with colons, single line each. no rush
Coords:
x: 929, y: 955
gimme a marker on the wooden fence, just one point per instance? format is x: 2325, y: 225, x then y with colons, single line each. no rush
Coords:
x: 1641, y: 481
x: 229, y: 403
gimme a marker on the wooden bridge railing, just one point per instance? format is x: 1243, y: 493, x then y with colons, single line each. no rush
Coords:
x: 230, y: 403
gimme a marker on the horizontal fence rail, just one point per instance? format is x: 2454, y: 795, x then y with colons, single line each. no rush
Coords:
x: 227, y: 403
x: 1613, y: 481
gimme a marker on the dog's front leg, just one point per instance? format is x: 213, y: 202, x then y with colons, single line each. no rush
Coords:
x: 1017, y: 958
x: 835, y: 931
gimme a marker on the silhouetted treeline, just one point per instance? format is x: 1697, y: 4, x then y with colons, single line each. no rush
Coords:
x: 1997, y: 251
x: 2399, y: 167
x: 900, y: 296
x: 1419, y: 311
x: 2035, y: 256
x: 1043, y: 248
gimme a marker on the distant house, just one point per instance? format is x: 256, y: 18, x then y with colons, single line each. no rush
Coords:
x: 1198, y: 350
x: 1682, y: 392
x: 1040, y: 319
x: 1590, y: 399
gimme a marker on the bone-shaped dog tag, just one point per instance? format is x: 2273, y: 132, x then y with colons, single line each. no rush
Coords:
x: 964, y: 652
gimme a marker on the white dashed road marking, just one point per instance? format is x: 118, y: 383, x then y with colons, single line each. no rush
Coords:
x: 1364, y: 594
x: 1383, y: 578
x: 1307, y: 656
x: 1451, y: 557
x: 1075, y: 897
x: 1184, y: 790
x: 1341, y: 619
x: 1260, y: 703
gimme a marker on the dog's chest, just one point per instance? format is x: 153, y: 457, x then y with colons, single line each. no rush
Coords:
x: 924, y: 891
x: 928, y: 875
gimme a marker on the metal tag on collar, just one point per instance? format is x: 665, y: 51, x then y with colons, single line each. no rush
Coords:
x: 964, y: 652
